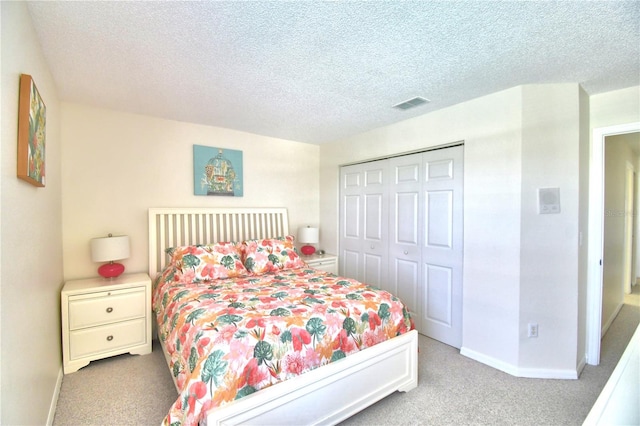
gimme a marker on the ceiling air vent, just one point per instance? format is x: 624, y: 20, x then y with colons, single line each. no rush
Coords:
x: 417, y: 101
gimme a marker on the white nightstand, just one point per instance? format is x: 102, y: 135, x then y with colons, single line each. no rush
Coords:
x: 105, y: 317
x: 325, y: 262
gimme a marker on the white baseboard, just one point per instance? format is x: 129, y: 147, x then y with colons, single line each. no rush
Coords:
x: 532, y: 373
x: 54, y: 398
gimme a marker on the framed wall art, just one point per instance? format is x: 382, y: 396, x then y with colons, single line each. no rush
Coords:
x: 217, y: 171
x: 32, y: 120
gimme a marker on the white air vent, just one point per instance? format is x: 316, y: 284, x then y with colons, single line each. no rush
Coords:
x: 417, y: 101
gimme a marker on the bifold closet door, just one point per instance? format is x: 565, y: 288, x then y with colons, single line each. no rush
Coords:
x: 401, y: 230
x: 364, y: 210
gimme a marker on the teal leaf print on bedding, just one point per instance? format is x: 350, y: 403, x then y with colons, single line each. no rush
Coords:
x: 180, y: 295
x: 280, y: 312
x: 229, y: 319
x: 316, y: 328
x: 193, y: 359
x: 228, y: 262
x: 337, y: 355
x: 383, y: 311
x: 247, y: 390
x: 208, y: 296
x: 285, y: 336
x: 280, y: 295
x: 354, y: 296
x: 250, y: 264
x: 263, y: 352
x: 214, y: 368
x: 190, y: 261
x: 193, y: 316
x: 349, y: 325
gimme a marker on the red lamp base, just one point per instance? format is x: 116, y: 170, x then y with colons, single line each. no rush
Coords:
x: 308, y: 250
x: 111, y: 270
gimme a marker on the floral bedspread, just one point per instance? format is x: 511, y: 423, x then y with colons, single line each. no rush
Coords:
x: 228, y: 338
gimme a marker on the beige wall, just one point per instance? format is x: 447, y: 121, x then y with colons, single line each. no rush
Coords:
x: 617, y: 155
x: 118, y: 165
x: 31, y: 267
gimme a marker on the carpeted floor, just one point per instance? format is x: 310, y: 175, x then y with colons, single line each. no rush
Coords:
x: 452, y: 389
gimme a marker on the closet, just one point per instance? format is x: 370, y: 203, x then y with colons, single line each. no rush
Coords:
x: 401, y: 230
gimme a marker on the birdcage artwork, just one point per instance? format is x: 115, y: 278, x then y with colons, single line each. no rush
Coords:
x: 217, y: 171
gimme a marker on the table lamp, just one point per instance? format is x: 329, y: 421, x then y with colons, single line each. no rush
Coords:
x: 108, y: 249
x: 308, y: 235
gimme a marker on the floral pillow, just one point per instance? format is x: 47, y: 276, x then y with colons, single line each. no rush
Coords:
x: 271, y: 255
x: 207, y: 262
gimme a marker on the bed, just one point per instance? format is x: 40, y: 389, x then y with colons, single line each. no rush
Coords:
x: 299, y: 372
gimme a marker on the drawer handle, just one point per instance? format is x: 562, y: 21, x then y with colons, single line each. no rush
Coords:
x: 109, y: 310
x: 109, y: 338
x: 406, y: 252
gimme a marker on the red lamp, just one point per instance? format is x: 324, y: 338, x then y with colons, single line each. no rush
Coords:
x: 308, y: 236
x: 108, y: 249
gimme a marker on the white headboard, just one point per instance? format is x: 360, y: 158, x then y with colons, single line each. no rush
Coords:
x: 171, y: 227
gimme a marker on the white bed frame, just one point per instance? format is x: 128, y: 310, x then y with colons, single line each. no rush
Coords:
x: 326, y: 395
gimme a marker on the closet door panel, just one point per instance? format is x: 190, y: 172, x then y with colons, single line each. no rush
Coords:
x: 438, y: 301
x: 351, y: 194
x: 405, y: 230
x: 441, y: 288
x: 408, y: 276
x: 439, y: 219
x: 363, y: 229
x: 349, y: 263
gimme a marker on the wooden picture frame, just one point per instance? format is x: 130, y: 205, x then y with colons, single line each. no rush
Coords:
x: 32, y: 122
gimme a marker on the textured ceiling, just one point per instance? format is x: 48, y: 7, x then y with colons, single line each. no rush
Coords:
x: 319, y: 71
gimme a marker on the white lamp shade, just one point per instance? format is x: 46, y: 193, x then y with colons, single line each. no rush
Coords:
x: 308, y: 235
x: 109, y: 248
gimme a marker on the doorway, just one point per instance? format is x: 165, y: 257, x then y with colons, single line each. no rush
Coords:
x: 596, y: 237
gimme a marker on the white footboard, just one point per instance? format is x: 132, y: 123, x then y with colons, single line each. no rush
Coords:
x: 331, y: 393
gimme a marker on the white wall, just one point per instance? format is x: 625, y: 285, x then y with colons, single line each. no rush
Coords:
x: 550, y: 242
x: 118, y: 165
x: 31, y: 268
x: 500, y: 131
x: 615, y: 107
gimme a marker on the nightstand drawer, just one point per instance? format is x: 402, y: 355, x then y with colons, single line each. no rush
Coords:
x: 107, y: 338
x: 324, y: 265
x: 106, y: 307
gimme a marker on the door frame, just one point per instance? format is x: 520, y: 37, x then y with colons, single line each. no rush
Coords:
x: 596, y: 236
x: 629, y: 200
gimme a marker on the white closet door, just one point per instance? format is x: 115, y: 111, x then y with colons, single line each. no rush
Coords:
x: 401, y: 230
x: 405, y: 222
x: 442, y: 251
x: 363, y: 228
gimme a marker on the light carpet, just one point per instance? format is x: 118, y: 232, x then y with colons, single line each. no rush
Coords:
x: 452, y: 389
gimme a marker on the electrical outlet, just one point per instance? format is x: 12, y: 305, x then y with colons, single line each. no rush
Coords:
x: 533, y: 329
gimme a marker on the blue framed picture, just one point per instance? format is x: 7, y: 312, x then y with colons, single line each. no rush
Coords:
x: 217, y: 171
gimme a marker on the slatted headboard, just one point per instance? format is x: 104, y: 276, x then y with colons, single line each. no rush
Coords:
x: 171, y: 227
